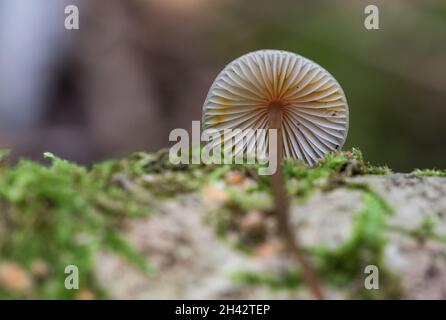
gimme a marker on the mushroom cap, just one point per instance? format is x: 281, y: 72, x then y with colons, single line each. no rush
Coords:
x: 315, y: 111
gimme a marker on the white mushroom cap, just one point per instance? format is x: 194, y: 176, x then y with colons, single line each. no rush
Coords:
x: 315, y: 111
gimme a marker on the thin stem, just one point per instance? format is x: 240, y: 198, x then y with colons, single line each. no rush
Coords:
x: 282, y: 207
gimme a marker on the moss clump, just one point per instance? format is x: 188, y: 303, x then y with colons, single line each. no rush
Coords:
x: 328, y: 173
x: 344, y: 266
x: 302, y: 181
x: 59, y: 215
x: 429, y: 173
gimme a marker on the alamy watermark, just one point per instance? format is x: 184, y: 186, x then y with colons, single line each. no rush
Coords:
x: 72, y: 17
x: 72, y: 278
x: 371, y: 21
x: 371, y: 282
x: 228, y: 146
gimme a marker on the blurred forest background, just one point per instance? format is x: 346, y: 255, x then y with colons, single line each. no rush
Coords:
x: 136, y: 69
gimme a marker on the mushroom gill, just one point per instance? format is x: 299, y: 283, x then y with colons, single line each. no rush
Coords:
x: 314, y: 110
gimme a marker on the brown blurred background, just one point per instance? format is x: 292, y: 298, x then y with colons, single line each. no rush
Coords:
x: 138, y: 68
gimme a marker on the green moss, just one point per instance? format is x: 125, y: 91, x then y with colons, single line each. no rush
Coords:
x: 343, y: 266
x: 364, y: 246
x: 424, y: 232
x: 301, y: 181
x: 429, y: 173
x: 328, y: 173
x: 369, y: 191
x: 366, y: 167
x: 61, y: 214
x: 289, y: 280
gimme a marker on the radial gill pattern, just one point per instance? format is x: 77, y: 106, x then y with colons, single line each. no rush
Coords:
x: 315, y: 110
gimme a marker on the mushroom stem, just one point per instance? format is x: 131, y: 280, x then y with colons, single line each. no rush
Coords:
x: 281, y: 200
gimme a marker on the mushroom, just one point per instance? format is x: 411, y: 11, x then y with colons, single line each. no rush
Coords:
x: 310, y: 103
x: 273, y: 89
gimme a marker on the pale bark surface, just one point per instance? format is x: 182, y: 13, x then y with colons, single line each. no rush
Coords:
x: 192, y: 262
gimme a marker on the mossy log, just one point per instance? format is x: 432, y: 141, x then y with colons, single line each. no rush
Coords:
x: 142, y: 228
